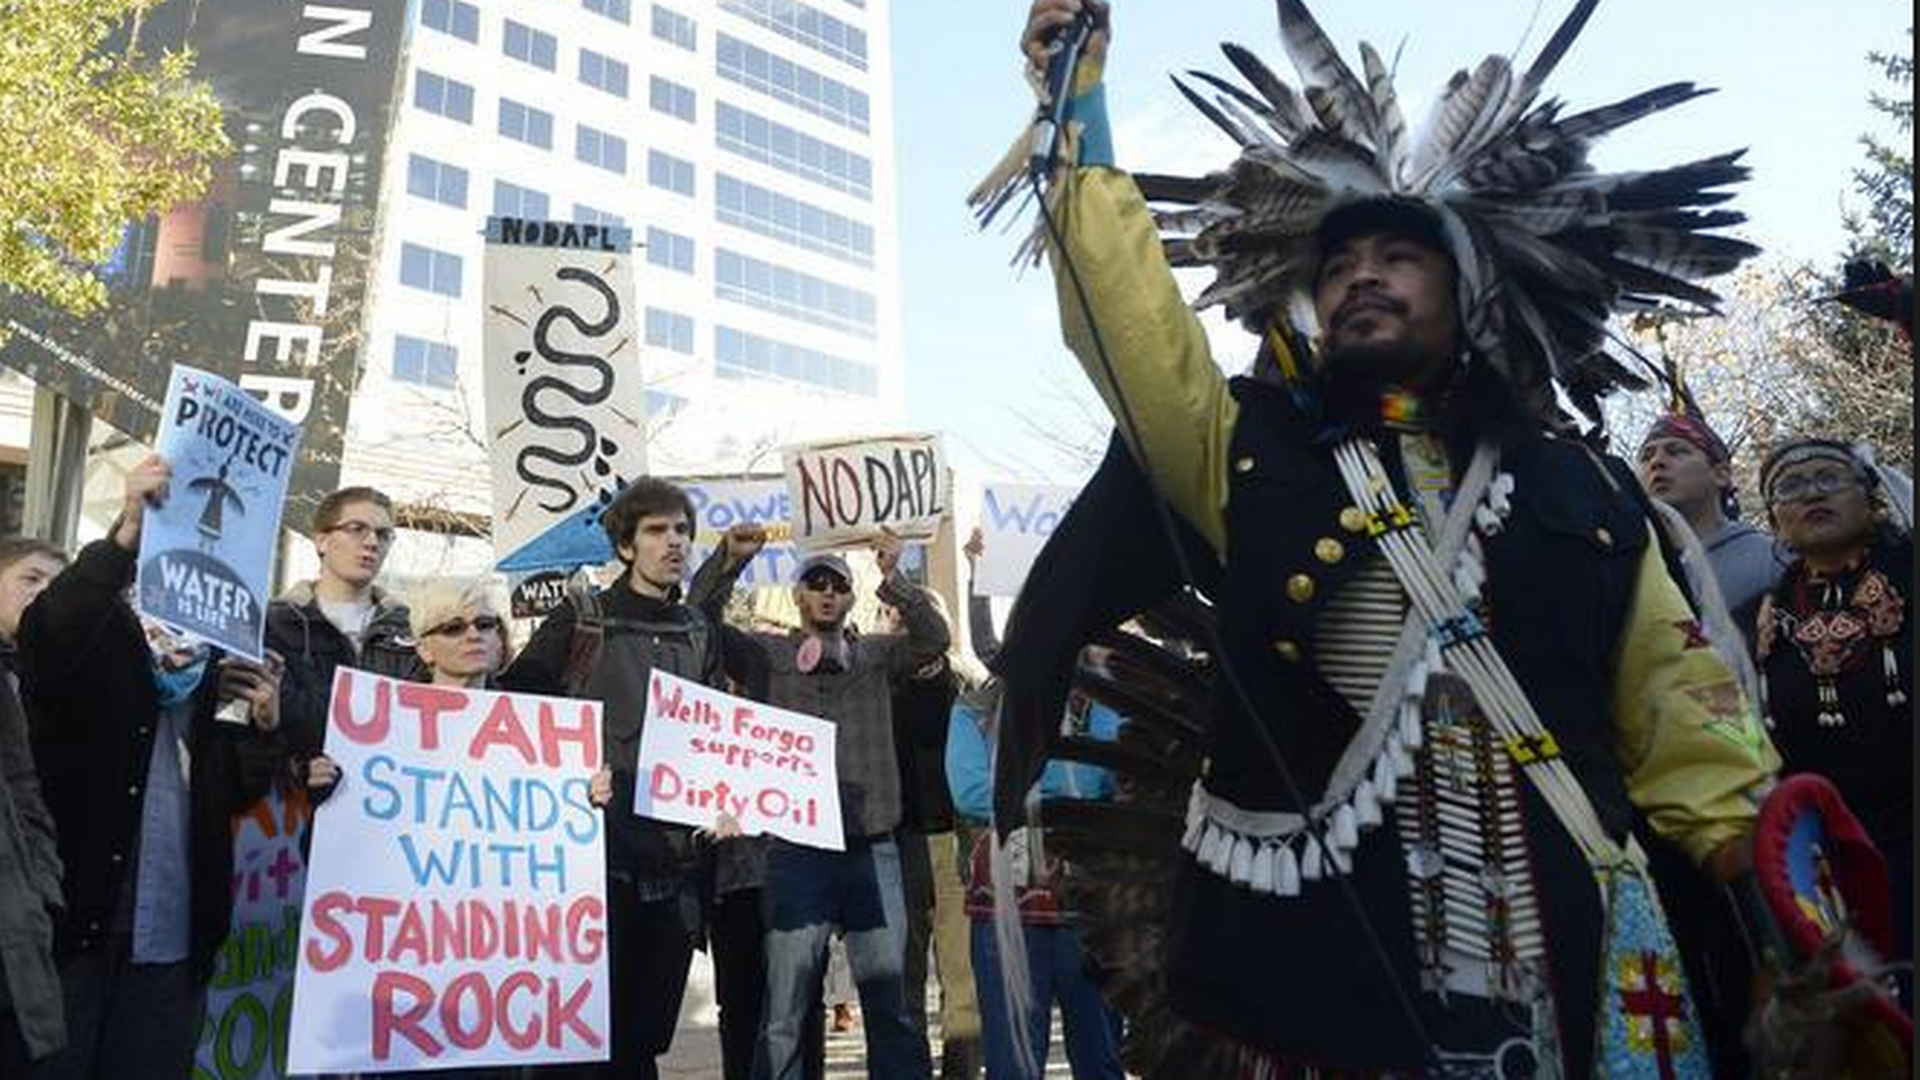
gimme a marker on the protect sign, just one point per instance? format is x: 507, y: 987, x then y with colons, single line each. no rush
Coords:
x: 206, y: 554
x: 455, y: 910
x: 704, y: 753
x: 565, y: 407
x: 1015, y: 522
x: 843, y: 493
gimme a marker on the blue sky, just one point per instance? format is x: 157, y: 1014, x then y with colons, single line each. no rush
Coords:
x: 983, y: 359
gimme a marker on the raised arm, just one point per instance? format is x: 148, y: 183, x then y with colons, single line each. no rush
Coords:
x: 1117, y: 291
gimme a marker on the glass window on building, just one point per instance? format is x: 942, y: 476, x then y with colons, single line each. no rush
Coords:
x: 792, y: 221
x: 669, y: 249
x: 670, y: 330
x: 526, y: 124
x: 455, y: 17
x: 512, y: 200
x: 526, y: 44
x: 667, y: 96
x: 783, y: 80
x: 807, y: 25
x: 757, y: 138
x: 430, y: 269
x: 446, y: 97
x: 670, y: 173
x: 738, y: 354
x: 795, y: 295
x: 426, y: 363
x: 436, y: 180
x: 587, y: 215
x: 620, y: 11
x: 601, y: 149
x: 674, y: 28
x: 603, y: 73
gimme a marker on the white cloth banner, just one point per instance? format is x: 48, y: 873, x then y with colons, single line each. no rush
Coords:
x: 704, y: 753
x: 844, y: 492
x: 1015, y: 522
x: 566, y: 411
x: 455, y: 911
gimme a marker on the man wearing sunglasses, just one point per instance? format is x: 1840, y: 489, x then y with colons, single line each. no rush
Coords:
x: 826, y: 668
x: 340, y: 616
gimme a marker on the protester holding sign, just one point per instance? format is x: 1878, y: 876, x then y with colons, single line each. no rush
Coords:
x: 604, y: 646
x: 339, y: 617
x: 32, y: 1023
x: 825, y: 669
x: 143, y: 781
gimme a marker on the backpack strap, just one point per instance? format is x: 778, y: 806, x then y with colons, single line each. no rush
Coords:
x: 589, y: 633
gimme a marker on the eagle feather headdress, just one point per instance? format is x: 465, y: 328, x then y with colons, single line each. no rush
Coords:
x: 1546, y: 247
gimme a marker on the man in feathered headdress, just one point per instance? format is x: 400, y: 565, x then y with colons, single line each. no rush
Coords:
x: 1455, y: 662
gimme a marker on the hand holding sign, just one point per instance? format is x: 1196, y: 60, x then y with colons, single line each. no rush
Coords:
x: 146, y: 486
x: 886, y: 552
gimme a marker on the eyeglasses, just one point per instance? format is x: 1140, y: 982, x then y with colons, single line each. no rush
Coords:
x: 486, y: 624
x: 1797, y: 487
x: 826, y: 583
x: 360, y: 530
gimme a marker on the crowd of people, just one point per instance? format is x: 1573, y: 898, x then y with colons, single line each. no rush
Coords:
x: 1470, y: 663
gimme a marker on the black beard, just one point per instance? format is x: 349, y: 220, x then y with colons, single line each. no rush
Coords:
x: 1352, y: 378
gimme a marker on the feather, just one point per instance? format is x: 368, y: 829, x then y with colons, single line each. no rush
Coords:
x: 1594, y: 123
x: 1391, y: 138
x: 1348, y: 112
x: 1552, y: 52
x: 1287, y: 108
x: 1212, y: 112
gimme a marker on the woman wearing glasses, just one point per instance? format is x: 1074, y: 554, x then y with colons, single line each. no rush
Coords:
x: 1836, y: 643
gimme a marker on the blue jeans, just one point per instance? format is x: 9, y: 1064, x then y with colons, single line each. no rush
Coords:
x: 807, y: 893
x: 1057, y: 973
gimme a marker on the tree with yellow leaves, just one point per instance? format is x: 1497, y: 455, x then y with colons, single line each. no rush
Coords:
x: 94, y: 134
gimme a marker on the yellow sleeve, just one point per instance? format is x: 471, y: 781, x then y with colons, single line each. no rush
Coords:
x: 1697, y: 759
x: 1162, y: 367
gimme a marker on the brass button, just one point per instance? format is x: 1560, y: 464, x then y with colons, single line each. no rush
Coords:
x: 1353, y: 519
x: 1288, y: 650
x: 1244, y: 465
x: 1299, y: 588
x: 1328, y: 550
x: 1604, y: 537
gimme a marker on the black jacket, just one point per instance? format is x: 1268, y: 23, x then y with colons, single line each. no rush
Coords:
x: 312, y: 647
x: 86, y: 678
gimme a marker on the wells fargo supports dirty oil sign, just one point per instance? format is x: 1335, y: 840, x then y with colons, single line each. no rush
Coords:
x: 704, y: 753
x: 843, y: 493
x: 456, y: 899
x: 206, y: 554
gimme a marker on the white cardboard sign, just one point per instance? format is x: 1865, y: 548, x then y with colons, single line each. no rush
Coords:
x: 843, y: 493
x: 455, y: 912
x: 704, y: 753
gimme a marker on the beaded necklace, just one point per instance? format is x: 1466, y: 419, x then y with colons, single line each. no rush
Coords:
x: 1834, y: 623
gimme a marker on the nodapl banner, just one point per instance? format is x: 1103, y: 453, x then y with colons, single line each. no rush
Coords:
x: 455, y: 912
x: 206, y: 554
x: 566, y: 413
x: 844, y: 492
x: 263, y: 280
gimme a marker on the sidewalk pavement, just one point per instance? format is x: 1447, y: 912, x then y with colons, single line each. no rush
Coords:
x: 696, y: 1042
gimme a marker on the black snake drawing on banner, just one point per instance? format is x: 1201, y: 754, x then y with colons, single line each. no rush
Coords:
x: 592, y: 446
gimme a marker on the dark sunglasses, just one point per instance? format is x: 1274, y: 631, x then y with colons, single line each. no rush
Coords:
x: 826, y: 583
x: 486, y: 624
